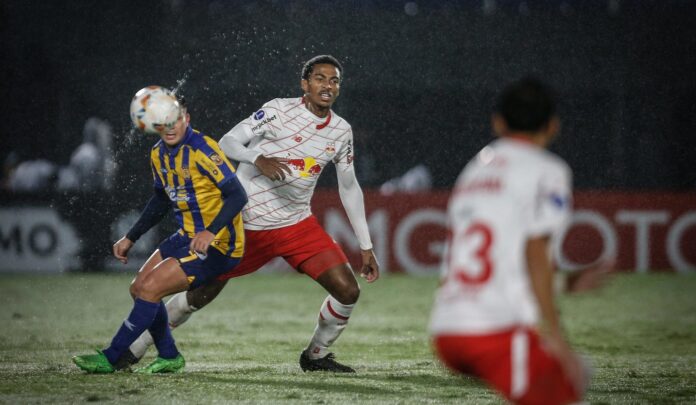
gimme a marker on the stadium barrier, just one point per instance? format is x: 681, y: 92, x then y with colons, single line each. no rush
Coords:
x: 644, y: 231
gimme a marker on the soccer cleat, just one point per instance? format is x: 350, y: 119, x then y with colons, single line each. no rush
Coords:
x: 326, y: 363
x: 126, y: 360
x: 161, y: 365
x: 94, y: 363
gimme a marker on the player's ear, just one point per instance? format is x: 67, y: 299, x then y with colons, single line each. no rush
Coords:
x: 188, y: 117
x: 553, y: 127
x: 498, y: 124
x: 305, y: 86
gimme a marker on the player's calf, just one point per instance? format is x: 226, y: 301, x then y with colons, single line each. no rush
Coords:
x: 179, y: 311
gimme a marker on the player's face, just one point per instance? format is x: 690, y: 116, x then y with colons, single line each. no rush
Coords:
x: 175, y: 135
x: 322, y: 86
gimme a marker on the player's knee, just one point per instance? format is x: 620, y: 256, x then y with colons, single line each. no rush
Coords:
x: 348, y: 294
x: 149, y: 290
x: 134, y: 289
x: 341, y: 284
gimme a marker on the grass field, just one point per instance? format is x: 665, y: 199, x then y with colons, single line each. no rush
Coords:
x: 640, y: 333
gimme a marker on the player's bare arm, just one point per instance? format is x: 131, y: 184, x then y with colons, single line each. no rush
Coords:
x: 590, y: 278
x: 121, y: 248
x: 370, y: 266
x: 541, y: 274
x: 272, y: 167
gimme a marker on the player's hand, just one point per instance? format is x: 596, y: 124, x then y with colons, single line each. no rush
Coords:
x: 272, y: 167
x: 201, y: 242
x: 121, y: 248
x: 590, y: 278
x: 370, y: 266
x: 570, y: 362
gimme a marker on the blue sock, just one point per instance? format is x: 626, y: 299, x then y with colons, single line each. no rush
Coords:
x: 138, y: 321
x: 162, y: 334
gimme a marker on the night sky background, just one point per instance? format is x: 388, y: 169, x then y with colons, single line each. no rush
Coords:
x: 419, y: 83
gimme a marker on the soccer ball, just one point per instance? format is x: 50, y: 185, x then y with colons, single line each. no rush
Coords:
x: 154, y: 109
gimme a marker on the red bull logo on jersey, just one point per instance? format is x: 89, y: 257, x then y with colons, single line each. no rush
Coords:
x: 330, y: 149
x: 306, y: 166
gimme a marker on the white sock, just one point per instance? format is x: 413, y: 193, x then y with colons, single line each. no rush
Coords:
x: 333, y: 318
x: 178, y: 311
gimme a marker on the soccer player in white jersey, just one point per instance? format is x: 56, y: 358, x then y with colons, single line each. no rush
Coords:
x: 282, y: 149
x: 494, y: 315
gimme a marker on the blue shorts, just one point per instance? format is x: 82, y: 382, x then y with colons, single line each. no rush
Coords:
x: 199, y: 269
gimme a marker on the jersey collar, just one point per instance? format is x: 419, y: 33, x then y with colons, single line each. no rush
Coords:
x: 521, y: 139
x: 326, y: 121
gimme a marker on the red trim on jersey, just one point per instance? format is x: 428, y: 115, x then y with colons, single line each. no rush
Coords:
x: 328, y: 120
x: 325, y: 123
x: 334, y: 313
x: 520, y: 138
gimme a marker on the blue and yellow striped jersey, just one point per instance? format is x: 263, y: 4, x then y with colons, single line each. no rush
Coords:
x: 190, y: 174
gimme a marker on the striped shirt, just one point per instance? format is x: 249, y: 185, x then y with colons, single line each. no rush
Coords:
x: 284, y: 128
x: 191, y: 174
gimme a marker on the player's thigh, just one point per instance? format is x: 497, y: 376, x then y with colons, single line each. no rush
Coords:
x: 166, y: 248
x: 145, y: 270
x: 308, y: 248
x: 168, y: 277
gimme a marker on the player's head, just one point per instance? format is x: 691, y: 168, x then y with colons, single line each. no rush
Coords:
x: 320, y: 59
x: 176, y: 134
x: 321, y: 81
x: 526, y: 107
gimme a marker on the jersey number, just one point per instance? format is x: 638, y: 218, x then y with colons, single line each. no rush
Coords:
x: 481, y: 255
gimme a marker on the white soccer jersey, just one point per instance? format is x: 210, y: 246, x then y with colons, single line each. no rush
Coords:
x: 511, y: 191
x: 284, y: 128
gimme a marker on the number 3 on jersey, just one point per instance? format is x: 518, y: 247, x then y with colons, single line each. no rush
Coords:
x: 469, y: 259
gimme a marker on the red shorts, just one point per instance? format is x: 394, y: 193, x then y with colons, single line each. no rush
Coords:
x: 305, y: 246
x: 512, y: 362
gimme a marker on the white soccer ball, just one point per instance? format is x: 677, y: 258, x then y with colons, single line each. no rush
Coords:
x: 154, y: 109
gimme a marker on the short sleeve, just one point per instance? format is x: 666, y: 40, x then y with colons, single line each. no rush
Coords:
x: 552, y: 204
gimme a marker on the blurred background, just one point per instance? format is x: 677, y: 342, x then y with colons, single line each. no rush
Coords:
x: 419, y: 83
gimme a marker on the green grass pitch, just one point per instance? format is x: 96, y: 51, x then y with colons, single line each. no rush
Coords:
x: 640, y: 332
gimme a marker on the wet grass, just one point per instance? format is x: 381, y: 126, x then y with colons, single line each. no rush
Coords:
x: 639, y: 333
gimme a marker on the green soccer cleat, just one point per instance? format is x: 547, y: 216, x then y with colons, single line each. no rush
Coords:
x: 94, y: 363
x: 161, y: 365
